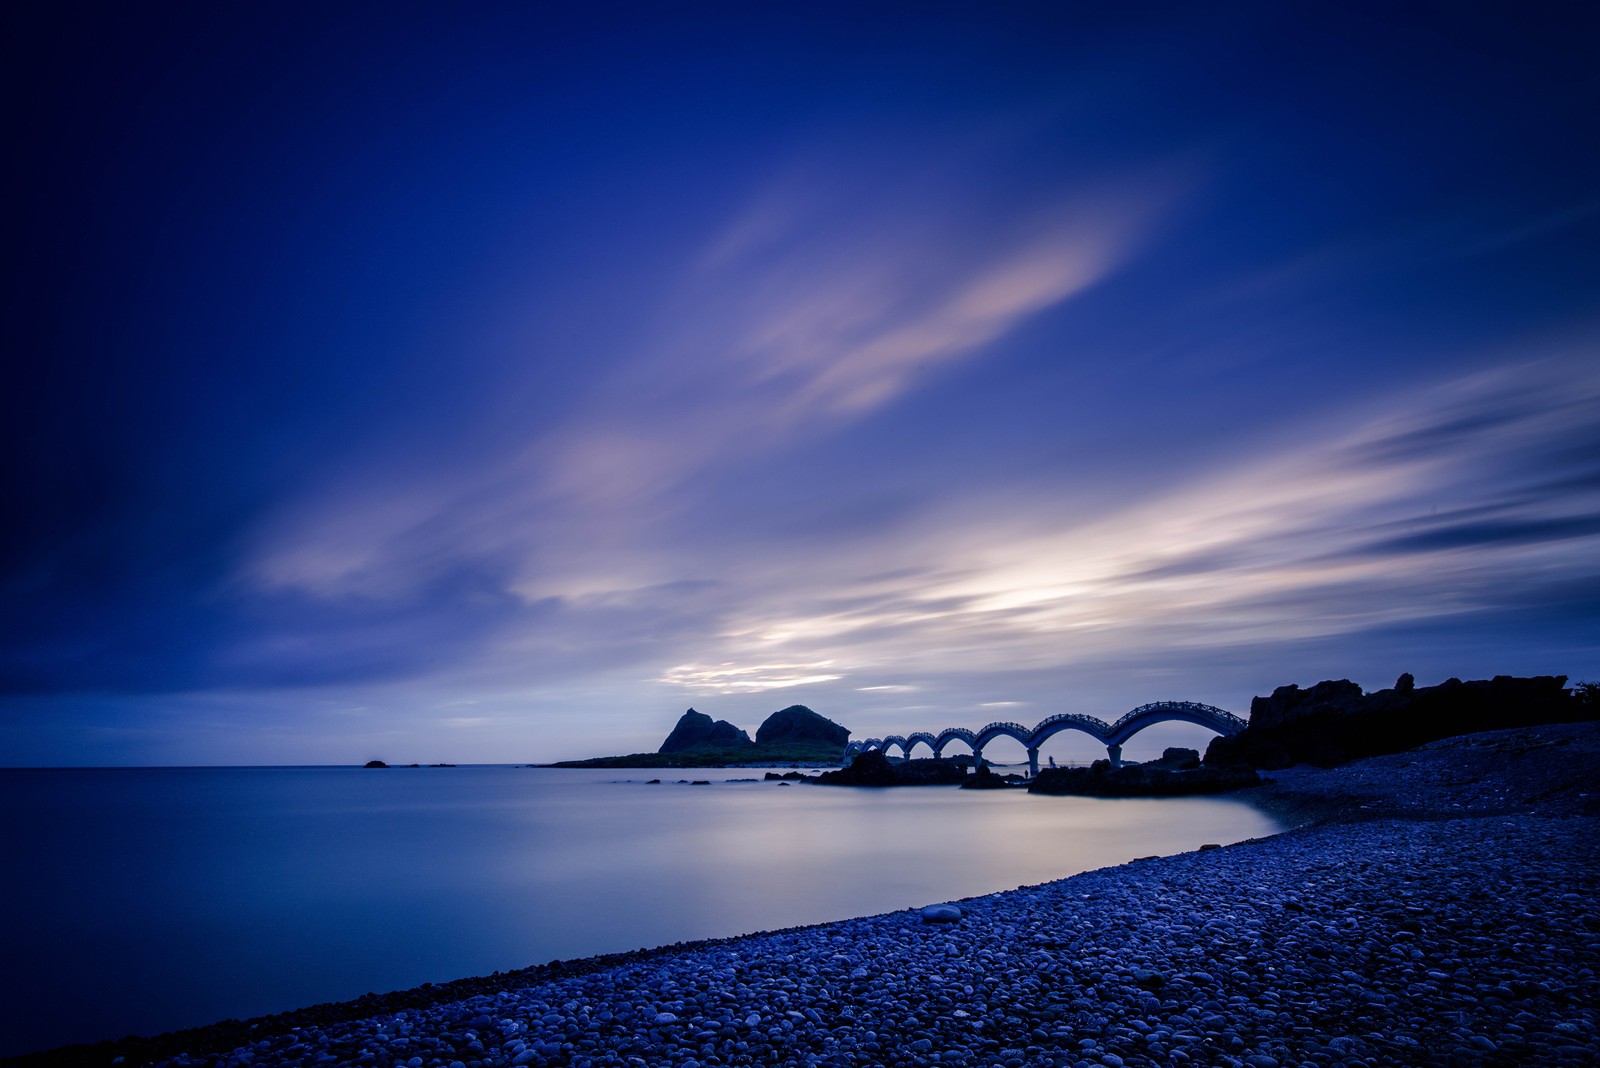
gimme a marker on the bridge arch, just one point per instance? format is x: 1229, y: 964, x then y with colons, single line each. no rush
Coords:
x: 866, y: 745
x: 1111, y: 735
x: 1067, y: 721
x: 1131, y: 723
x: 954, y: 734
x: 989, y: 732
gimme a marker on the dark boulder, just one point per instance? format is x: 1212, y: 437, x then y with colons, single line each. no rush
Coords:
x: 871, y: 768
x: 1100, y: 779
x: 874, y: 769
x: 929, y: 772
x: 1175, y: 758
x: 797, y: 724
x: 696, y: 730
x: 985, y: 779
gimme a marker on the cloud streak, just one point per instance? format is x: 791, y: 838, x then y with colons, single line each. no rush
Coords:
x: 1297, y: 546
x: 843, y: 305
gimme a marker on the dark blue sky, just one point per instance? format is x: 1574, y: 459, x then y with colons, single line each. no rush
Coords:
x: 492, y: 383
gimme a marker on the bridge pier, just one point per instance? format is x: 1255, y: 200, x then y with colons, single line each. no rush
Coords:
x: 1033, y: 762
x: 977, y: 760
x: 1115, y: 753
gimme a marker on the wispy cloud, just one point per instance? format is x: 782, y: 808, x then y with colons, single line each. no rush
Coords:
x: 1433, y: 508
x: 844, y: 306
x: 748, y: 678
x: 805, y: 314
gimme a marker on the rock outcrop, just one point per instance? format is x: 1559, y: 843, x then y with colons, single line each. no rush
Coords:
x: 696, y: 730
x: 798, y: 725
x: 874, y: 769
x: 1174, y: 758
x: 1100, y: 779
x: 986, y: 779
x: 1333, y: 722
x: 871, y: 768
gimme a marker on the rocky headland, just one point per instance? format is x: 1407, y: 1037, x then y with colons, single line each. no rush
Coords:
x: 1335, y: 722
x: 1438, y: 907
x: 1330, y: 724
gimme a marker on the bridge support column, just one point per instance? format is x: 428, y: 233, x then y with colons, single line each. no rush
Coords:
x: 977, y: 760
x: 1115, y: 753
x: 1033, y: 763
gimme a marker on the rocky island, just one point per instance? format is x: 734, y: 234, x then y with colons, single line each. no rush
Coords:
x: 793, y: 735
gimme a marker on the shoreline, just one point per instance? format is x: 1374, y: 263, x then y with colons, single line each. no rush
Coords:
x: 1514, y: 800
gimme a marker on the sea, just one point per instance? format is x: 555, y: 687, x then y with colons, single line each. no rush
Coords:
x: 142, y: 900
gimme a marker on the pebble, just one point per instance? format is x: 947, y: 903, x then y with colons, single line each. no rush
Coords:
x: 1464, y: 934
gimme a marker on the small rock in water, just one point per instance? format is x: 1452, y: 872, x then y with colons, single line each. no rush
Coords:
x: 941, y: 914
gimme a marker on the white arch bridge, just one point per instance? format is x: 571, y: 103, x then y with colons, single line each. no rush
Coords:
x: 1112, y: 735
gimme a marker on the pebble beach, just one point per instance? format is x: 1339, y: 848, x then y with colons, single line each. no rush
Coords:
x: 1436, y: 907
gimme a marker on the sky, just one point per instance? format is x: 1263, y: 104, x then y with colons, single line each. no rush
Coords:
x: 491, y: 383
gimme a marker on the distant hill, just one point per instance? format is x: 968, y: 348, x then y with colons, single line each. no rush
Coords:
x: 793, y: 735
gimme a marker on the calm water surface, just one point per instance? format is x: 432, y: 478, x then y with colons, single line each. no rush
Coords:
x: 145, y: 899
